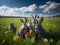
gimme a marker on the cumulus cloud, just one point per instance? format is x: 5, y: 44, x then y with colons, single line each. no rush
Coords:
x: 31, y: 8
x: 50, y: 7
x: 8, y: 11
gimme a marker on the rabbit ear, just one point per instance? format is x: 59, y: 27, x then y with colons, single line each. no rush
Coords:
x: 41, y: 20
x: 26, y: 20
x: 32, y: 16
x: 21, y: 20
x: 35, y: 16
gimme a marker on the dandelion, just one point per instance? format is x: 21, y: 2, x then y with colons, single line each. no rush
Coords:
x: 15, y: 38
x: 45, y: 40
x: 51, y: 40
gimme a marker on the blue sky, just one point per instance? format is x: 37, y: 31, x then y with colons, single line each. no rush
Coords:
x: 29, y: 7
x: 21, y: 3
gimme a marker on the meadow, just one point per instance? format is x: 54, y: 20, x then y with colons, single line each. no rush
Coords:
x: 51, y: 26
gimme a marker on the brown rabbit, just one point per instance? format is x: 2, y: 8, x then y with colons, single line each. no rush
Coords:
x: 22, y: 30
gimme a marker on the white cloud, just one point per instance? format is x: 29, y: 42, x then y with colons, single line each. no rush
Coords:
x: 30, y: 8
x: 8, y: 11
x: 50, y: 7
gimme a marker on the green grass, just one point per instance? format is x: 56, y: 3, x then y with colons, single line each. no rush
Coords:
x: 50, y: 25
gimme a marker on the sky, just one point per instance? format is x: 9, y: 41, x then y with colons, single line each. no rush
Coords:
x: 29, y: 7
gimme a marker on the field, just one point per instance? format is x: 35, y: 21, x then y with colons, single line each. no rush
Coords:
x: 50, y: 25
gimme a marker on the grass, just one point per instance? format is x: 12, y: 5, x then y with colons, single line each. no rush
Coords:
x: 50, y: 25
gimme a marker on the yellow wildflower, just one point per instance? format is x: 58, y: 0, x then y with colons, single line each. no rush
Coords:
x: 15, y: 38
x: 45, y: 40
x: 51, y: 40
